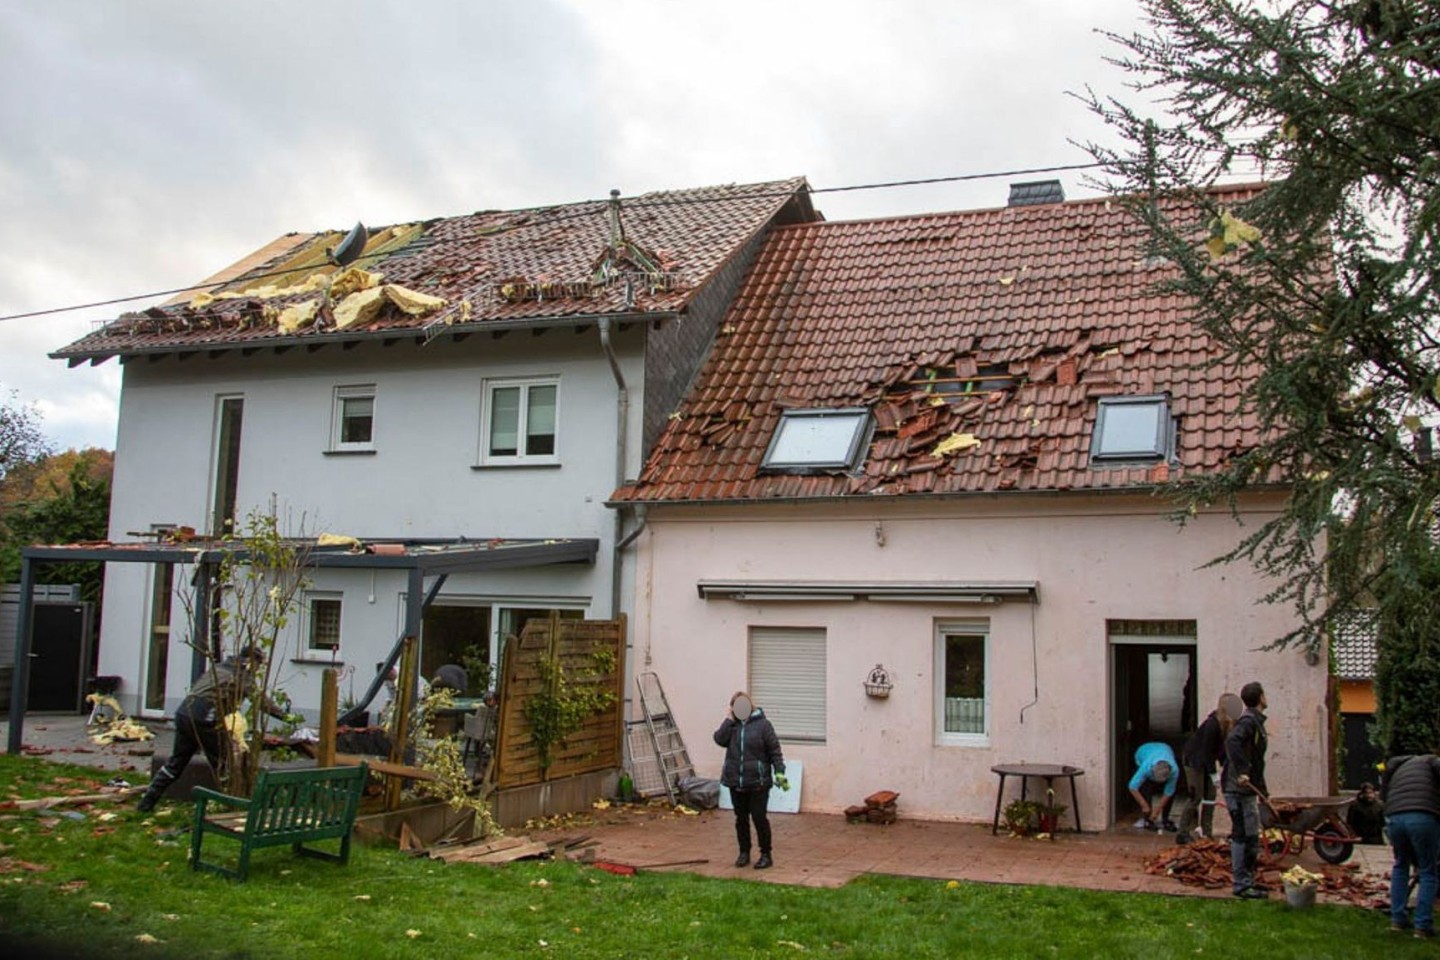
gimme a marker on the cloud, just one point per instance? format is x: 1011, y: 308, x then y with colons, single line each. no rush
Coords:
x: 155, y: 142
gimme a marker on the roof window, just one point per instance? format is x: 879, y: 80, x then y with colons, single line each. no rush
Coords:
x: 815, y: 440
x: 1132, y: 428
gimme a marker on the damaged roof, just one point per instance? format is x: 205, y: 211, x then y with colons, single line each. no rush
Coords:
x: 981, y: 342
x: 646, y: 255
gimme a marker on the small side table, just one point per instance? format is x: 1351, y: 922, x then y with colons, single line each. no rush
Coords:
x: 1049, y: 772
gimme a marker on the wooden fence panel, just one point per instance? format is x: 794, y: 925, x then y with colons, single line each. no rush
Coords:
x: 590, y: 653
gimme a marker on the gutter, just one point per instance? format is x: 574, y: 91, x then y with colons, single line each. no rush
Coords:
x: 342, y: 337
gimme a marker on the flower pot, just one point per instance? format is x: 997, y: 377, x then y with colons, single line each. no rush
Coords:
x: 1298, y: 896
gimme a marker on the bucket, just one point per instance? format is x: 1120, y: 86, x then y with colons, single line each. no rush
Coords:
x: 1298, y: 896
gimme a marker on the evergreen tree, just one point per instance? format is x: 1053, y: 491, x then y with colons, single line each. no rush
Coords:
x: 1325, y: 284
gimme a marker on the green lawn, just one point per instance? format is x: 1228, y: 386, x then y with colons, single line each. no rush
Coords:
x: 122, y: 888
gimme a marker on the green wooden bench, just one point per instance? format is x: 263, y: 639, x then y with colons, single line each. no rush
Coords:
x: 288, y: 807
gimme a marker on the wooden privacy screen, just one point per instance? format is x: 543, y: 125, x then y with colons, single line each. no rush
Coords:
x: 574, y: 643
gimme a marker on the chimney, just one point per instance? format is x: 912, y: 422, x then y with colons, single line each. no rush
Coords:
x: 1036, y: 192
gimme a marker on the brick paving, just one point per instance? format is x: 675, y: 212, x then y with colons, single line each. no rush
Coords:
x: 822, y: 850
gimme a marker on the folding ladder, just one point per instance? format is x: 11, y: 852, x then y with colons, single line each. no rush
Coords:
x: 672, y: 757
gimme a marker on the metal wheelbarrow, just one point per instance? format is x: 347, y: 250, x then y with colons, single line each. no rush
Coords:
x: 1290, y: 821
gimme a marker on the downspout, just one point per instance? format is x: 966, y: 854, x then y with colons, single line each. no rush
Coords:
x: 622, y: 424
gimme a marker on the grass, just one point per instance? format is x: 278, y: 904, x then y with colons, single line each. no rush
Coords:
x: 96, y: 888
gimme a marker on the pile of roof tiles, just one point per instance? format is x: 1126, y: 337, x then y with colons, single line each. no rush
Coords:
x: 1206, y: 863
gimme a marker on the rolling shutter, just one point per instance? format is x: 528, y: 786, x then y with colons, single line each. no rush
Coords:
x: 787, y: 680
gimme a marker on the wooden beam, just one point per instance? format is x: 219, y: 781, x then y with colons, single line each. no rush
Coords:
x: 400, y: 724
x: 329, y: 702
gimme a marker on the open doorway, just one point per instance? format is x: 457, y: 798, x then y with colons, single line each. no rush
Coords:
x: 457, y: 634
x: 1152, y: 692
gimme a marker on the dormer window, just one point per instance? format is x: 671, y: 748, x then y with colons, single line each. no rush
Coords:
x: 1132, y: 428
x: 818, y: 440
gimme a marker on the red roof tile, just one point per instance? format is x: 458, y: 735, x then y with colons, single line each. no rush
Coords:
x: 840, y: 314
x: 547, y: 256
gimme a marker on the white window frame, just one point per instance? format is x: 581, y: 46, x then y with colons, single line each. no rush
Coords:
x: 525, y: 385
x: 774, y: 701
x: 364, y: 391
x: 961, y: 628
x: 310, y: 651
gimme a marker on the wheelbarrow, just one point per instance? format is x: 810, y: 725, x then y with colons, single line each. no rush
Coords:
x: 1290, y: 821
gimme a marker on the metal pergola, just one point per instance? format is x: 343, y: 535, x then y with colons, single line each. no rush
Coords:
x: 420, y: 558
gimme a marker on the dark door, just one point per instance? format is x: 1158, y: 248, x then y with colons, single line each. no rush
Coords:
x: 1361, y: 755
x: 1153, y: 699
x: 59, y: 657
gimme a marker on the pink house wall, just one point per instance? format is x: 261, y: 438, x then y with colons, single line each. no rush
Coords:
x: 1095, y: 559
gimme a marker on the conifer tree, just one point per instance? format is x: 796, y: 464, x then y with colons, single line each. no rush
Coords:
x: 1325, y: 283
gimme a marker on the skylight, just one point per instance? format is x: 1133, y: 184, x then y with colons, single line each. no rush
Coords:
x: 809, y: 440
x: 1132, y: 428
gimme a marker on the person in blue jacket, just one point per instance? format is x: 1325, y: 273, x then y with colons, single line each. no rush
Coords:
x: 1153, y: 785
x: 752, y: 761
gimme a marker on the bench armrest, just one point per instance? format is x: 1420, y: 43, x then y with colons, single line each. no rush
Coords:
x: 205, y: 794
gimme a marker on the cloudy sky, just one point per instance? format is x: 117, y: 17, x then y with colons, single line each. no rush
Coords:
x: 145, y: 144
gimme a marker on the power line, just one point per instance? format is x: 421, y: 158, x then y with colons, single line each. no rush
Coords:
x: 638, y: 203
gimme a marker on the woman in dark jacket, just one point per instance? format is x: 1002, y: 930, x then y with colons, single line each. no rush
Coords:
x: 752, y: 758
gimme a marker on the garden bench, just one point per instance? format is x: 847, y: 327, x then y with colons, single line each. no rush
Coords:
x: 288, y: 807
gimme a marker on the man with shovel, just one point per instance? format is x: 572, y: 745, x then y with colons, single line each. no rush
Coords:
x: 1243, y: 782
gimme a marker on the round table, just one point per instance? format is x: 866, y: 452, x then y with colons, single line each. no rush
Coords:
x: 1049, y: 772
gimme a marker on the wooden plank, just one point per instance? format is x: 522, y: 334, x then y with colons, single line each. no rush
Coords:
x: 394, y: 771
x: 329, y: 703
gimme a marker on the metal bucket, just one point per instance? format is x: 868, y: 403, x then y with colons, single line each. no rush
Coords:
x: 1299, y: 896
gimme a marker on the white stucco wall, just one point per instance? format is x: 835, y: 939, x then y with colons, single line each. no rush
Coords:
x: 1095, y: 559
x: 422, y: 480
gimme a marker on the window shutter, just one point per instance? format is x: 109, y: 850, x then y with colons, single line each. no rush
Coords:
x: 787, y: 680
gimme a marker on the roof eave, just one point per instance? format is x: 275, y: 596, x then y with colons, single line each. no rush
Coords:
x: 77, y: 357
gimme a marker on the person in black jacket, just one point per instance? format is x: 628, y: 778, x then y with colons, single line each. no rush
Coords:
x: 1242, y: 781
x: 1201, y: 758
x: 752, y: 760
x: 1411, y: 787
x: 219, y: 692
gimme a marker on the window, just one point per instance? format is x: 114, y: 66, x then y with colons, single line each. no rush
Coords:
x: 324, y: 626
x: 1133, y: 428
x: 519, y: 422
x: 229, y: 418
x: 787, y: 680
x: 353, y: 426
x: 962, y: 691
x: 809, y: 440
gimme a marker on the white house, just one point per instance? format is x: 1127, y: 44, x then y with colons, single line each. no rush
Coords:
x: 470, y: 387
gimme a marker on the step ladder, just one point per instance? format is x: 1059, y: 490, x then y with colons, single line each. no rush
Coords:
x: 670, y: 753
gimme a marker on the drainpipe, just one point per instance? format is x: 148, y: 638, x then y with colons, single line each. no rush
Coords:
x: 622, y: 421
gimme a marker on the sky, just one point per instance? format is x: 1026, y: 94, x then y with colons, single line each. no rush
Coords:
x: 146, y: 144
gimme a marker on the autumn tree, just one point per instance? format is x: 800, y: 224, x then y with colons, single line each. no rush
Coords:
x: 57, y: 499
x: 1327, y: 280
x: 21, y: 440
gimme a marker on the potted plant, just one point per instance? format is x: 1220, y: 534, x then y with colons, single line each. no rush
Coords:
x: 1021, y: 817
x: 1047, y: 814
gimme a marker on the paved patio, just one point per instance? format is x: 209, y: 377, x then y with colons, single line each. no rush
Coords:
x: 811, y: 849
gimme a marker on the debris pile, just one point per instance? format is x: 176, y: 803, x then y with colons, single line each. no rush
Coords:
x: 1206, y: 863
x: 878, y: 808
